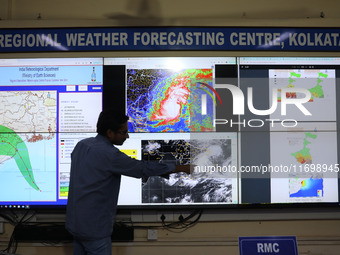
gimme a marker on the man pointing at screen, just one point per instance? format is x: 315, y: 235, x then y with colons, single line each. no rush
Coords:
x: 96, y: 170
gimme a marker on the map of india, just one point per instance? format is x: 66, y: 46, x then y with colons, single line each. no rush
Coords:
x: 316, y: 91
x: 27, y: 118
x: 320, y: 83
x: 303, y: 156
x: 29, y: 111
x: 306, y: 186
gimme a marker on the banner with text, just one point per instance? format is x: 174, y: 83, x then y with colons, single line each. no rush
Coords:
x: 169, y: 38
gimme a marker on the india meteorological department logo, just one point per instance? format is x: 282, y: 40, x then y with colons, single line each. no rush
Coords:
x: 238, y: 104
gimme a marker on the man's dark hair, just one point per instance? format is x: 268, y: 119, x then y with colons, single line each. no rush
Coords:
x: 110, y: 119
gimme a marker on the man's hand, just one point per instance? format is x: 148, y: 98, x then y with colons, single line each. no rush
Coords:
x: 180, y: 169
x: 184, y: 169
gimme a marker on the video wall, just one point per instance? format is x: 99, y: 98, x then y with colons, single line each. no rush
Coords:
x: 258, y: 130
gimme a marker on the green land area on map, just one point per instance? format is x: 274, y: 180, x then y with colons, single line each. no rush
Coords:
x: 13, y: 146
x: 303, y: 156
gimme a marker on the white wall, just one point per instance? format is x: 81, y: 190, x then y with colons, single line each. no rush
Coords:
x: 170, y: 12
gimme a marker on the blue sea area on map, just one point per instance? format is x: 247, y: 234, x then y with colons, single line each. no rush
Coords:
x: 14, y: 187
x: 312, y: 188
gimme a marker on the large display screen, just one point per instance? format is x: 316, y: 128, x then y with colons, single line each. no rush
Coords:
x: 294, y: 146
x: 258, y: 130
x: 171, y: 109
x: 44, y: 112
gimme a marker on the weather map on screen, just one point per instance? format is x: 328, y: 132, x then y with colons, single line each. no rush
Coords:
x: 33, y: 117
x: 164, y: 100
x: 308, y: 186
x: 36, y: 117
x: 312, y: 172
x: 169, y: 94
x: 168, y: 99
x: 304, y: 156
x: 319, y: 82
x: 27, y: 176
x: 298, y: 152
x: 206, y: 184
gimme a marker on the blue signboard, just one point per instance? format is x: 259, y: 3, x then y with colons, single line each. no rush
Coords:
x: 269, y: 245
x: 169, y: 38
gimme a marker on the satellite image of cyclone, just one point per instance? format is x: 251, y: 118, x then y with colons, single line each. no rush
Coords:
x: 198, y: 187
x: 161, y: 100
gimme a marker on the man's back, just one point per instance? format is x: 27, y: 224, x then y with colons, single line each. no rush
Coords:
x: 94, y: 189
